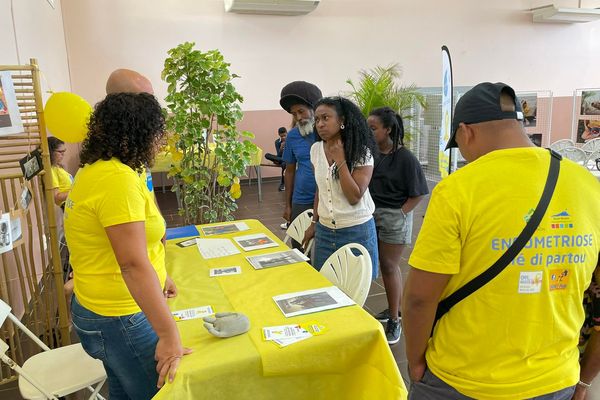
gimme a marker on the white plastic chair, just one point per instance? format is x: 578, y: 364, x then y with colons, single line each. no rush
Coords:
x: 350, y: 272
x: 53, y: 373
x: 574, y: 154
x: 561, y: 144
x: 298, y: 227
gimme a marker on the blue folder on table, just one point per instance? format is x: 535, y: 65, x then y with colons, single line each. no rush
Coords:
x: 182, y: 231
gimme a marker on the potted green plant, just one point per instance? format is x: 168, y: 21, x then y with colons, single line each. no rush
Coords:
x: 380, y: 86
x: 209, y: 153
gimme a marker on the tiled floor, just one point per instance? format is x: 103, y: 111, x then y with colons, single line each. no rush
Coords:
x: 269, y: 212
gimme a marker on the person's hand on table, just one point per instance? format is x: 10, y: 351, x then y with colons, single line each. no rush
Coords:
x: 308, y: 235
x: 168, y: 355
x: 170, y: 290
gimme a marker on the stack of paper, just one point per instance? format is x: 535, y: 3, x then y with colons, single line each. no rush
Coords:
x: 284, y: 335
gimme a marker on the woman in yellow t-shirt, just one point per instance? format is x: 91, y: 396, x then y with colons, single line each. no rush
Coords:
x: 114, y: 231
x: 61, y: 179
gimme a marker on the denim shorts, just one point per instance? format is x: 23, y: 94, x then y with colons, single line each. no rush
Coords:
x: 393, y: 226
x: 125, y: 345
x: 328, y: 240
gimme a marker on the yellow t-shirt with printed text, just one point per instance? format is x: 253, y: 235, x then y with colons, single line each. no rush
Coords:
x: 107, y: 193
x: 517, y: 336
x: 61, y: 179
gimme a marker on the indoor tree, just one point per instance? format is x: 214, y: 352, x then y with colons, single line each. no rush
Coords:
x: 208, y: 152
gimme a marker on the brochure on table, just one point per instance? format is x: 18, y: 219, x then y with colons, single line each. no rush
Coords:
x: 311, y: 301
x: 255, y: 242
x: 277, y: 259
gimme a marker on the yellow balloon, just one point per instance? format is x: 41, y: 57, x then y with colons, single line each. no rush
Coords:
x: 67, y: 116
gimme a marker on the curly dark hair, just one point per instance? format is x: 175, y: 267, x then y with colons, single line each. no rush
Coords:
x: 126, y: 126
x: 53, y: 144
x: 392, y: 120
x: 356, y: 135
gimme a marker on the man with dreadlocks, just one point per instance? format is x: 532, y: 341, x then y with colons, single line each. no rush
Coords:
x: 397, y: 186
x: 343, y: 163
x: 299, y: 98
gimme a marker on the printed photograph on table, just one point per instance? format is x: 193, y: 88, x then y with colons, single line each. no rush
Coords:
x: 5, y: 233
x: 255, y: 242
x: 10, y: 118
x: 224, y: 229
x: 31, y: 164
x: 529, y: 106
x: 590, y: 102
x: 277, y: 259
x: 587, y: 130
x: 310, y: 301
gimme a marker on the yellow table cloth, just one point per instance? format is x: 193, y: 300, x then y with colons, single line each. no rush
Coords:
x: 352, y: 360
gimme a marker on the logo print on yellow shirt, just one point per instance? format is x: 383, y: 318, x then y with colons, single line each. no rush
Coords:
x: 561, y: 220
x: 559, y: 279
x: 530, y: 281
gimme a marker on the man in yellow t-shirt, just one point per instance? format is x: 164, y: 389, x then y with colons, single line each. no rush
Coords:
x: 515, y: 337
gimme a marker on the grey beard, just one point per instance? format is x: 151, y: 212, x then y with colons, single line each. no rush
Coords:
x: 307, y: 128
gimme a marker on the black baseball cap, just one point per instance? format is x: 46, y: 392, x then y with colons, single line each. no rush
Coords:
x: 482, y: 104
x: 299, y: 92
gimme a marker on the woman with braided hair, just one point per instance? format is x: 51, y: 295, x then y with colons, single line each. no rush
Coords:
x: 343, y: 163
x: 397, y: 186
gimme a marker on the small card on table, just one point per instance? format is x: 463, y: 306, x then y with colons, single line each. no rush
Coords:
x: 233, y: 270
x: 192, y: 313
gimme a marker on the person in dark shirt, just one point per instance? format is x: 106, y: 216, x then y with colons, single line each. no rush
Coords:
x: 277, y: 157
x: 397, y: 186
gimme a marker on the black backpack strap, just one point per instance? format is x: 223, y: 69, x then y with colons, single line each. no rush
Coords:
x: 486, y: 276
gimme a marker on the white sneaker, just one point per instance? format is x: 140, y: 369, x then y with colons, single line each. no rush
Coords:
x: 284, y: 226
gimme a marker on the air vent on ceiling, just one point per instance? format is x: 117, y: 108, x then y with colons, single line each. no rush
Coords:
x: 272, y: 7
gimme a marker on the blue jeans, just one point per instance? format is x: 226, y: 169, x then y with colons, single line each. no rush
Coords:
x: 328, y: 240
x: 126, y: 347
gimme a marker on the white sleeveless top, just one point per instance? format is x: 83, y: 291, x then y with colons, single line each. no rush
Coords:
x: 335, y: 211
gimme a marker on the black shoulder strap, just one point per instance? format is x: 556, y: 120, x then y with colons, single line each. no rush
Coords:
x: 486, y: 276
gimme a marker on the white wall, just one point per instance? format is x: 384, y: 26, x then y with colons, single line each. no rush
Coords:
x: 489, y: 40
x: 37, y: 33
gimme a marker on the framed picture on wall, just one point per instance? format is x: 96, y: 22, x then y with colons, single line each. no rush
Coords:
x: 529, y: 106
x: 587, y: 130
x: 10, y: 118
x: 31, y: 164
x: 536, y: 138
x: 590, y: 102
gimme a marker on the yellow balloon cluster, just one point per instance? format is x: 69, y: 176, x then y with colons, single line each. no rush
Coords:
x: 67, y: 116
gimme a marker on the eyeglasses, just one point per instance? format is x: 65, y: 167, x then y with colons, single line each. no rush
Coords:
x: 60, y: 151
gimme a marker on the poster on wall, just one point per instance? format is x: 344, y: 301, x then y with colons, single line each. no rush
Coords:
x: 529, y: 106
x: 590, y: 102
x: 587, y: 130
x: 5, y: 233
x: 10, y: 118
